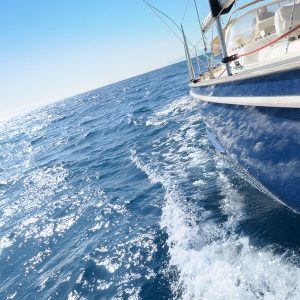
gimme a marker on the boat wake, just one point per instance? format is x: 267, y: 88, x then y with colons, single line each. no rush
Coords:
x: 124, y: 197
x: 201, y: 213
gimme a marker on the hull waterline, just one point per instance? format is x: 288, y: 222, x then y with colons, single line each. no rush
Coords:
x: 264, y: 140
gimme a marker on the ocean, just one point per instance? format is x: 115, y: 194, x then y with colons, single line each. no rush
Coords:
x: 118, y: 193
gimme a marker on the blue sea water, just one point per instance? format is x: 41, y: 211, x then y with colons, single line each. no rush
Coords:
x: 117, y: 193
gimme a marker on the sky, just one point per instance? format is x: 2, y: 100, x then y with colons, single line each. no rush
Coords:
x: 53, y: 49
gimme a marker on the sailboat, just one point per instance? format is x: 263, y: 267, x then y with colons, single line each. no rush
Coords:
x: 251, y: 101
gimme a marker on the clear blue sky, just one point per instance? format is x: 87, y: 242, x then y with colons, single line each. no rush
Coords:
x: 52, y: 49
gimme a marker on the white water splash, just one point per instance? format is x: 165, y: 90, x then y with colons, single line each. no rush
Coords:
x: 174, y: 110
x: 213, y: 261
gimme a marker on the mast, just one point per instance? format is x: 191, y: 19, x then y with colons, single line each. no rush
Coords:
x: 219, y: 7
x: 188, y: 57
x: 223, y: 45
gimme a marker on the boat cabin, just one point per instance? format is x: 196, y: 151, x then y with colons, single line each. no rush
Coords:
x: 259, y: 27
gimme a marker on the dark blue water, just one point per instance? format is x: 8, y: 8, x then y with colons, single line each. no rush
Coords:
x: 118, y: 194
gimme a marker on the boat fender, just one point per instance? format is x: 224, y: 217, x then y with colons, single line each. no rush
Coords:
x: 230, y: 58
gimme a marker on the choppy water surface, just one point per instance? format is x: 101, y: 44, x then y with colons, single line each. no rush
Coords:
x: 118, y: 194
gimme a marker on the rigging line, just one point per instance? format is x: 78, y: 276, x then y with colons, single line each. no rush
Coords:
x: 205, y: 54
x: 187, y: 5
x: 155, y: 8
x: 199, y: 41
x: 201, y: 29
x: 203, y: 37
x: 155, y: 11
x: 191, y: 44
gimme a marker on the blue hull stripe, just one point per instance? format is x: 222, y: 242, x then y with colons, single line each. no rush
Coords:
x: 286, y: 83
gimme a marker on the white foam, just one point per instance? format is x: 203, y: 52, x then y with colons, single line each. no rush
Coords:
x: 11, y: 296
x: 199, y: 182
x: 216, y: 265
x: 47, y: 231
x: 232, y: 203
x: 103, y: 285
x: 185, y: 103
x: 109, y: 264
x: 75, y: 296
x: 5, y: 242
x: 131, y: 119
x: 174, y: 109
x: 37, y: 259
x: 213, y: 261
x: 65, y: 223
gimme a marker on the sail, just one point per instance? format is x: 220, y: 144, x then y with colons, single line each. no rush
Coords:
x: 220, y: 7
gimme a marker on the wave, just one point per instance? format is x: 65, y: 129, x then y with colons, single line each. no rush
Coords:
x: 213, y: 261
